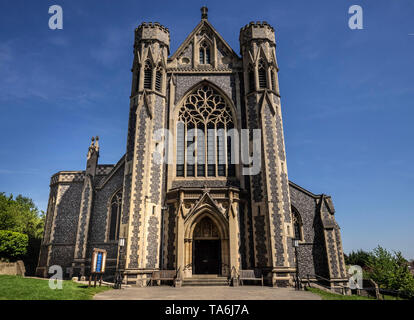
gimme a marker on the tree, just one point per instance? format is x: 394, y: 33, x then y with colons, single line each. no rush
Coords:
x: 390, y: 271
x: 21, y: 215
x: 359, y: 258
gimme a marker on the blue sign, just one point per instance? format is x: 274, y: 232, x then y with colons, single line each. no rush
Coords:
x: 99, y: 262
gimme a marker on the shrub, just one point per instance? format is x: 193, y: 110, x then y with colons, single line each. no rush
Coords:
x: 13, y: 245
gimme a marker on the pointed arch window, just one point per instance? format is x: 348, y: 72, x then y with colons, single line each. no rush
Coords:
x: 147, y: 75
x: 297, y: 225
x: 115, y: 216
x: 158, y: 79
x: 205, y: 57
x: 203, y: 127
x: 262, y: 75
x: 273, y: 79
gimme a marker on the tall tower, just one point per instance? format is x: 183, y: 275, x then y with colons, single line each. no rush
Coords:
x: 270, y: 200
x: 143, y: 179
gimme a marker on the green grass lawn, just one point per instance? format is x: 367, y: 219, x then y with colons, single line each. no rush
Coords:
x: 333, y: 296
x: 19, y: 288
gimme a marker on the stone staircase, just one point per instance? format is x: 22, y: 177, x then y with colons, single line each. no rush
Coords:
x: 206, y: 280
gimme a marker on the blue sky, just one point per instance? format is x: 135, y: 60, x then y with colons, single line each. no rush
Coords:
x: 347, y: 97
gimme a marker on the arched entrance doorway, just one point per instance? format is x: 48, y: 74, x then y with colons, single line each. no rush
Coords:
x: 205, y: 244
x: 206, y: 248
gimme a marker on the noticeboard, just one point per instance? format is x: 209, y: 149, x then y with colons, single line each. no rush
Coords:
x: 98, y: 261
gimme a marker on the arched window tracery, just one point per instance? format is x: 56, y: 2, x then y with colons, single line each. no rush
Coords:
x: 297, y: 225
x: 262, y: 74
x: 148, y: 75
x: 115, y: 216
x: 203, y: 141
x: 206, y: 228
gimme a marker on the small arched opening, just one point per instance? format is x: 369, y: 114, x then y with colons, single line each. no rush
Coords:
x: 206, y: 248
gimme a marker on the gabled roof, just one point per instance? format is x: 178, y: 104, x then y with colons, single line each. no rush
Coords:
x: 203, y: 23
x: 205, y: 198
x: 119, y: 165
x: 294, y: 185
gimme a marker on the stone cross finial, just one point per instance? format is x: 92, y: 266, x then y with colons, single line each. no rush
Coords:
x: 205, y: 188
x: 204, y: 11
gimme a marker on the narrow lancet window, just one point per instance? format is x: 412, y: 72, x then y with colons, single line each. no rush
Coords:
x: 115, y: 216
x: 205, y: 57
x: 297, y: 225
x: 158, y: 79
x: 262, y: 75
x: 148, y: 75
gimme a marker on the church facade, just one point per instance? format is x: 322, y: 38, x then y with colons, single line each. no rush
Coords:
x: 188, y: 198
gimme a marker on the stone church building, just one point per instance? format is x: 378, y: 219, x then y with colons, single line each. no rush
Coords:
x: 202, y: 212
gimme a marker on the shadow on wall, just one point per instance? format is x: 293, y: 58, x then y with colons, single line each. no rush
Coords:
x: 312, y: 256
x: 31, y: 258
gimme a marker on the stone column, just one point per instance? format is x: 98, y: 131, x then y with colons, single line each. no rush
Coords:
x: 234, y: 239
x: 180, y: 248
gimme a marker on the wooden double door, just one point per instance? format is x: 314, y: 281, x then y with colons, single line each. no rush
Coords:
x: 207, y: 257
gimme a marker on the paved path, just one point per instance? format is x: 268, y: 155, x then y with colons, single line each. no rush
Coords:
x: 206, y: 293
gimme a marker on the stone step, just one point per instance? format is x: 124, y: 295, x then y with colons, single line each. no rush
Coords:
x: 203, y: 276
x: 206, y: 280
x: 210, y: 280
x: 205, y: 284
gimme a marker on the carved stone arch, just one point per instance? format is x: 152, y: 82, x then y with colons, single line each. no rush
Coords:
x: 206, y: 229
x: 205, y: 37
x: 206, y: 32
x: 206, y: 211
x: 191, y: 249
x: 198, y: 85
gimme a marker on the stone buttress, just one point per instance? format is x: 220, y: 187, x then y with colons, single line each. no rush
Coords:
x: 79, y: 258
